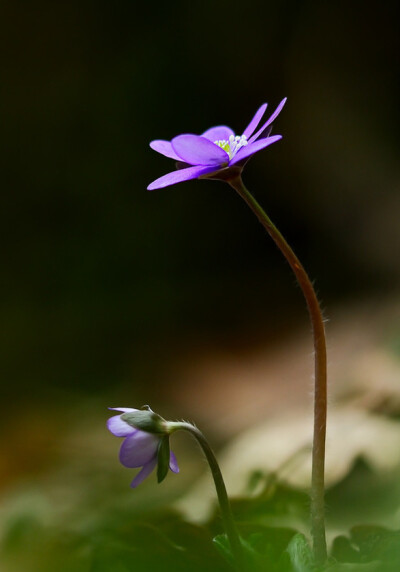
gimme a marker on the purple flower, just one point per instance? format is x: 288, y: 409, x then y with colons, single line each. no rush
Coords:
x: 217, y: 149
x: 139, y: 448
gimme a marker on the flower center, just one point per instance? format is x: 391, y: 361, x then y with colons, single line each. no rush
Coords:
x: 233, y: 144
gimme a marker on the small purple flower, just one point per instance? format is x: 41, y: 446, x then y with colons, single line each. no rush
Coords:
x: 217, y: 149
x: 139, y: 448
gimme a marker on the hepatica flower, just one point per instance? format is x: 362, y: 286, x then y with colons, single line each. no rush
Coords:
x: 214, y: 152
x: 141, y: 448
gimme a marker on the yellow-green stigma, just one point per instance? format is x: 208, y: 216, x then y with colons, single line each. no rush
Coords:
x: 233, y: 144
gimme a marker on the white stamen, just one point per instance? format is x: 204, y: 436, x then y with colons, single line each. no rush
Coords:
x: 233, y: 144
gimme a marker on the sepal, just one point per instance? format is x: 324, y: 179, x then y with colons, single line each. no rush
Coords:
x: 145, y: 420
x: 163, y: 458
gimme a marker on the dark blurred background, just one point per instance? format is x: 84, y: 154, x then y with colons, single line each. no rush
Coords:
x: 105, y: 285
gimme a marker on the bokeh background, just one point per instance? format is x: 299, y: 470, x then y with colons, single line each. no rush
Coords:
x: 112, y: 295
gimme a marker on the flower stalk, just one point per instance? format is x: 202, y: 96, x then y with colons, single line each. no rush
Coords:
x: 223, y: 500
x: 320, y: 375
x: 219, y: 154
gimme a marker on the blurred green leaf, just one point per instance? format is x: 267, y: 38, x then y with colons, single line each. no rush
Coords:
x: 301, y: 555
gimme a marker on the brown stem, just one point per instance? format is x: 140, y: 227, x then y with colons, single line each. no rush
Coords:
x: 320, y: 392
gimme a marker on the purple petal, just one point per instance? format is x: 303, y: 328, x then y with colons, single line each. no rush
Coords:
x: 248, y: 132
x: 173, y: 463
x: 145, y: 472
x: 253, y: 148
x: 138, y: 449
x: 197, y: 150
x: 123, y: 409
x: 221, y: 132
x: 118, y: 427
x: 270, y: 120
x: 165, y: 148
x: 179, y: 176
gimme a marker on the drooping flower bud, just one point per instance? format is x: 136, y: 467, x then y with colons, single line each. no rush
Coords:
x: 146, y: 442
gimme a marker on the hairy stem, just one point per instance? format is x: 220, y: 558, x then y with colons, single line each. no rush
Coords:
x: 320, y: 379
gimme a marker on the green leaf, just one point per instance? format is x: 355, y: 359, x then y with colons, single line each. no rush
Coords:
x: 354, y: 567
x: 163, y: 458
x: 300, y: 553
x: 222, y: 544
x: 252, y: 559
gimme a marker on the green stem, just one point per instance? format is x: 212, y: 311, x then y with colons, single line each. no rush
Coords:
x: 224, y: 504
x: 320, y: 393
